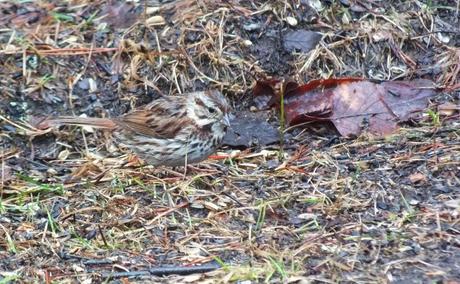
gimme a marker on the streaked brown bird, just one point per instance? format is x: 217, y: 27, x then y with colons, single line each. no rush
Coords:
x: 170, y: 131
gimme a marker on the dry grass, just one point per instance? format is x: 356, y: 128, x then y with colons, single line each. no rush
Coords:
x: 363, y: 210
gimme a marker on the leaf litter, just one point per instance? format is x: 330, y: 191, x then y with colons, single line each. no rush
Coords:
x: 352, y: 105
x: 313, y: 207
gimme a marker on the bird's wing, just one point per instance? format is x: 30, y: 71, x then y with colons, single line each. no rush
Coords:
x: 159, y: 119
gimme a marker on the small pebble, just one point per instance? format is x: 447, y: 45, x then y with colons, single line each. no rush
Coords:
x: 291, y: 21
x: 84, y: 84
x: 251, y: 27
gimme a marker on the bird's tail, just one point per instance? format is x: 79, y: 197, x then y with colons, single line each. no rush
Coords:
x: 95, y: 122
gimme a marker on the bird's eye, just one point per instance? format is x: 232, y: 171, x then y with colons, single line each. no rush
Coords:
x: 211, y: 110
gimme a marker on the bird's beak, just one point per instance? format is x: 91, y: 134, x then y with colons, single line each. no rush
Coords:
x: 226, y: 120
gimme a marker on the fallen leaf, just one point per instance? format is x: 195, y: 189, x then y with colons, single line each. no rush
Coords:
x: 408, y: 99
x: 417, y: 177
x: 250, y: 129
x: 353, y: 105
x: 358, y: 106
x: 264, y: 94
x: 301, y: 40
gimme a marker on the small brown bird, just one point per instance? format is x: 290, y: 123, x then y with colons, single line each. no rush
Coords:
x: 170, y: 131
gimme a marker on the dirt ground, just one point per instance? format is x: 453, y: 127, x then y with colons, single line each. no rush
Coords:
x: 313, y: 208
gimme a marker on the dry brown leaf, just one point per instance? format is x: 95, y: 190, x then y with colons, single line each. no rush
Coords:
x: 417, y: 178
x: 353, y: 105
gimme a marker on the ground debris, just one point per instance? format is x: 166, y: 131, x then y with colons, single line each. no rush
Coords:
x: 312, y: 207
